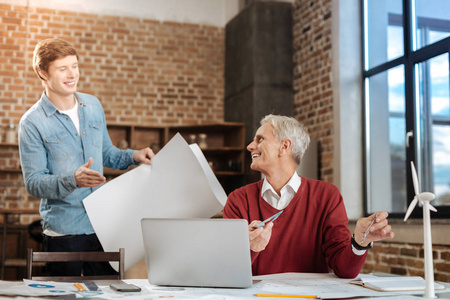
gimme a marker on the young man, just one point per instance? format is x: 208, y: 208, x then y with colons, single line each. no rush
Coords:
x: 64, y: 144
x: 311, y: 234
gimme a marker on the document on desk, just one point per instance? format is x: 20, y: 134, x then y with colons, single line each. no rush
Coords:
x: 178, y: 184
x: 327, y: 286
x: 393, y: 283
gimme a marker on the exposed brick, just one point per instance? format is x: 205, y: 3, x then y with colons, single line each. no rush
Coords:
x: 398, y: 270
x: 420, y: 273
x: 443, y: 267
x: 409, y: 252
x: 445, y: 255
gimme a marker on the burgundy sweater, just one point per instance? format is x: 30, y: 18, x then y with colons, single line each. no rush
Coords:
x: 311, y: 235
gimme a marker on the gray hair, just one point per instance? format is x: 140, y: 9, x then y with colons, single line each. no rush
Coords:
x: 289, y: 128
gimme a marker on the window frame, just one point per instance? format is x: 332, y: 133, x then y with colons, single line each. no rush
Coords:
x: 409, y: 60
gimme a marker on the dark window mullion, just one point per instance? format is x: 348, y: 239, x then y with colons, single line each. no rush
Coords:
x: 430, y: 51
x: 441, y: 122
x: 409, y: 95
x: 384, y: 67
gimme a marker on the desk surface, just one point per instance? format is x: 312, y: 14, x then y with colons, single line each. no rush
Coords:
x: 328, y: 286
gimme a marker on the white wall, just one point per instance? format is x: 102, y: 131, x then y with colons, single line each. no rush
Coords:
x: 209, y: 12
x: 347, y: 94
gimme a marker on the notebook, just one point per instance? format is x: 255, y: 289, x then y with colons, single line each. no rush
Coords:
x: 197, y: 252
x: 393, y: 283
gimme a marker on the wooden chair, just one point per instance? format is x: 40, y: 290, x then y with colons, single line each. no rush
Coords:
x: 33, y: 257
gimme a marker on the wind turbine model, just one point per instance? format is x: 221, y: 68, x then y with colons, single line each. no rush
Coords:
x: 424, y: 198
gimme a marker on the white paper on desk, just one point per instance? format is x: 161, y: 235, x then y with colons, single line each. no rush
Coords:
x: 325, y: 285
x: 178, y: 184
x: 393, y: 283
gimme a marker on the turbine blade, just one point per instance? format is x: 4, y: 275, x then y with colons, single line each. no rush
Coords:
x: 410, y: 209
x: 415, y: 179
x: 432, y: 208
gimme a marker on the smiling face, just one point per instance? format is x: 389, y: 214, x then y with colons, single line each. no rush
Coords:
x: 264, y: 149
x: 61, y: 79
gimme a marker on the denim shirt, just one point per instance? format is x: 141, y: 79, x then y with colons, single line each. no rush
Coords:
x: 51, y: 150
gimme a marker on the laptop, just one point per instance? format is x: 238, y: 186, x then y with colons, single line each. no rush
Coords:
x: 197, y: 252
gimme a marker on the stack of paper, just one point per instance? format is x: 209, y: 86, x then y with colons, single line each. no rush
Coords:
x: 393, y: 283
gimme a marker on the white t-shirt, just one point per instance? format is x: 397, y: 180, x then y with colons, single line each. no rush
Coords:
x: 73, y: 114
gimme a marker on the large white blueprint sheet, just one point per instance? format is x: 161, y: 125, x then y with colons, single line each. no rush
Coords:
x: 178, y: 184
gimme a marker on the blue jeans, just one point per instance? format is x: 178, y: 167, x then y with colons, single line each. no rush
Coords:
x: 76, y: 243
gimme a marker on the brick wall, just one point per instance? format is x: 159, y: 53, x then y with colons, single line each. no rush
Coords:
x: 313, y: 105
x: 313, y: 94
x: 143, y: 71
x: 407, y: 260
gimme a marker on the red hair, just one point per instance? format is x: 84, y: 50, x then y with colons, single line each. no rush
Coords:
x: 49, y: 50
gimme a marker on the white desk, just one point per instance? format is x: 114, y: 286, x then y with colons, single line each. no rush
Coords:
x: 327, y: 286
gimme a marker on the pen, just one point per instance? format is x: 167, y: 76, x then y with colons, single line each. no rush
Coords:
x: 286, y: 296
x: 271, y: 219
x: 79, y: 287
x: 368, y: 228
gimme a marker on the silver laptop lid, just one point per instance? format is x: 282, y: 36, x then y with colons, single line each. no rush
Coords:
x: 197, y: 252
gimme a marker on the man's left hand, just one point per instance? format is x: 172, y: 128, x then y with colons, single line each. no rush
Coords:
x: 380, y: 229
x: 144, y: 156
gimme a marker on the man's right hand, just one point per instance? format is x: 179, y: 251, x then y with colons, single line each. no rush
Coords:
x: 85, y: 177
x: 259, y: 237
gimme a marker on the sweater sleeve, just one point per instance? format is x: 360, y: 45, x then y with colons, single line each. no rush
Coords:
x: 337, y: 240
x: 232, y: 209
x: 235, y: 209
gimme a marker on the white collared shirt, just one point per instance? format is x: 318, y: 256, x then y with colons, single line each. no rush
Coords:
x: 287, y: 192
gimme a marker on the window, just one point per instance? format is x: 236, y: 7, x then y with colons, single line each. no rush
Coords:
x: 433, y: 106
x: 406, y: 103
x: 386, y: 124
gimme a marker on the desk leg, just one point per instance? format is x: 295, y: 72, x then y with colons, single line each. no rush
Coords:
x: 5, y: 222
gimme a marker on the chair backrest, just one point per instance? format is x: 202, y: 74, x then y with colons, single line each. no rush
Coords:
x: 34, y: 257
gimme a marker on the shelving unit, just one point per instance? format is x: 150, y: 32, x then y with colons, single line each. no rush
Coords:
x: 12, y: 165
x: 10, y: 170
x: 134, y: 137
x: 224, y: 148
x: 20, y: 261
x: 3, y: 144
x: 224, y: 145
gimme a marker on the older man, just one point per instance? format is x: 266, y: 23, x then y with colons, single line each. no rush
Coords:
x: 311, y: 234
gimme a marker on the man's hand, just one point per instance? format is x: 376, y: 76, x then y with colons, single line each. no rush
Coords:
x: 259, y: 237
x: 380, y: 229
x: 144, y: 156
x: 85, y: 177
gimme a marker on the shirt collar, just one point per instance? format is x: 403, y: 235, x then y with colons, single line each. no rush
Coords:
x: 50, y: 108
x: 293, y: 183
